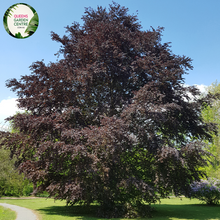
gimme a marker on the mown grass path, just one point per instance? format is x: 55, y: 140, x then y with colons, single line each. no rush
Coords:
x: 21, y: 212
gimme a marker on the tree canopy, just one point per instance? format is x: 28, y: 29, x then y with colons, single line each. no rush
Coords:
x: 111, y: 121
x: 211, y: 114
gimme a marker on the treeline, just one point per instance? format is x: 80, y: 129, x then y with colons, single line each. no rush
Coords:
x: 212, y: 114
x: 11, y: 182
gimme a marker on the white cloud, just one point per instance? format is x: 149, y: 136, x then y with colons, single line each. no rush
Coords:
x: 202, y: 88
x: 8, y: 107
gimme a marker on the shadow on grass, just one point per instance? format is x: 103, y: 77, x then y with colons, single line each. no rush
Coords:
x: 79, y: 212
x: 162, y: 212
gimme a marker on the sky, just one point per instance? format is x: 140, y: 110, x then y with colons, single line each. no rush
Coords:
x: 192, y: 27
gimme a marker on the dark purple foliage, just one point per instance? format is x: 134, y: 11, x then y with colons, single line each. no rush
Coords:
x: 110, y: 122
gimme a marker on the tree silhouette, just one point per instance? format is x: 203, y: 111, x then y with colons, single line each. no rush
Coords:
x: 110, y: 122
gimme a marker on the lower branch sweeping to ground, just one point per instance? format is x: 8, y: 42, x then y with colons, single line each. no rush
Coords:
x: 111, y: 122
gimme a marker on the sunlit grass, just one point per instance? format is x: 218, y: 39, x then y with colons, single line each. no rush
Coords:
x: 169, y: 209
x: 6, y: 214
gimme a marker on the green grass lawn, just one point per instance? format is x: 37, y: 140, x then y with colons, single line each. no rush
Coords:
x: 169, y: 209
x: 6, y: 214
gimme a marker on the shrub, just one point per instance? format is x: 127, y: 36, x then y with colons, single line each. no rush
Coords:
x: 206, y: 190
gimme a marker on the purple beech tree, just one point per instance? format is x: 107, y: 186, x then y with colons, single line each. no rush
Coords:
x: 112, y: 121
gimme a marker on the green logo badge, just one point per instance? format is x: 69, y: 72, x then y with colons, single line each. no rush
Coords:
x: 20, y: 20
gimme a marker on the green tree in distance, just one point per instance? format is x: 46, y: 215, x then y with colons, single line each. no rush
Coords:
x: 111, y: 121
x: 212, y: 114
x: 11, y: 182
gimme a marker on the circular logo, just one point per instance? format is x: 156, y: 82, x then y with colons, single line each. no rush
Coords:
x: 20, y: 20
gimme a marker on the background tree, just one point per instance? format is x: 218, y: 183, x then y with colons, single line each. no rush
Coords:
x: 111, y: 121
x: 11, y: 182
x: 212, y: 114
